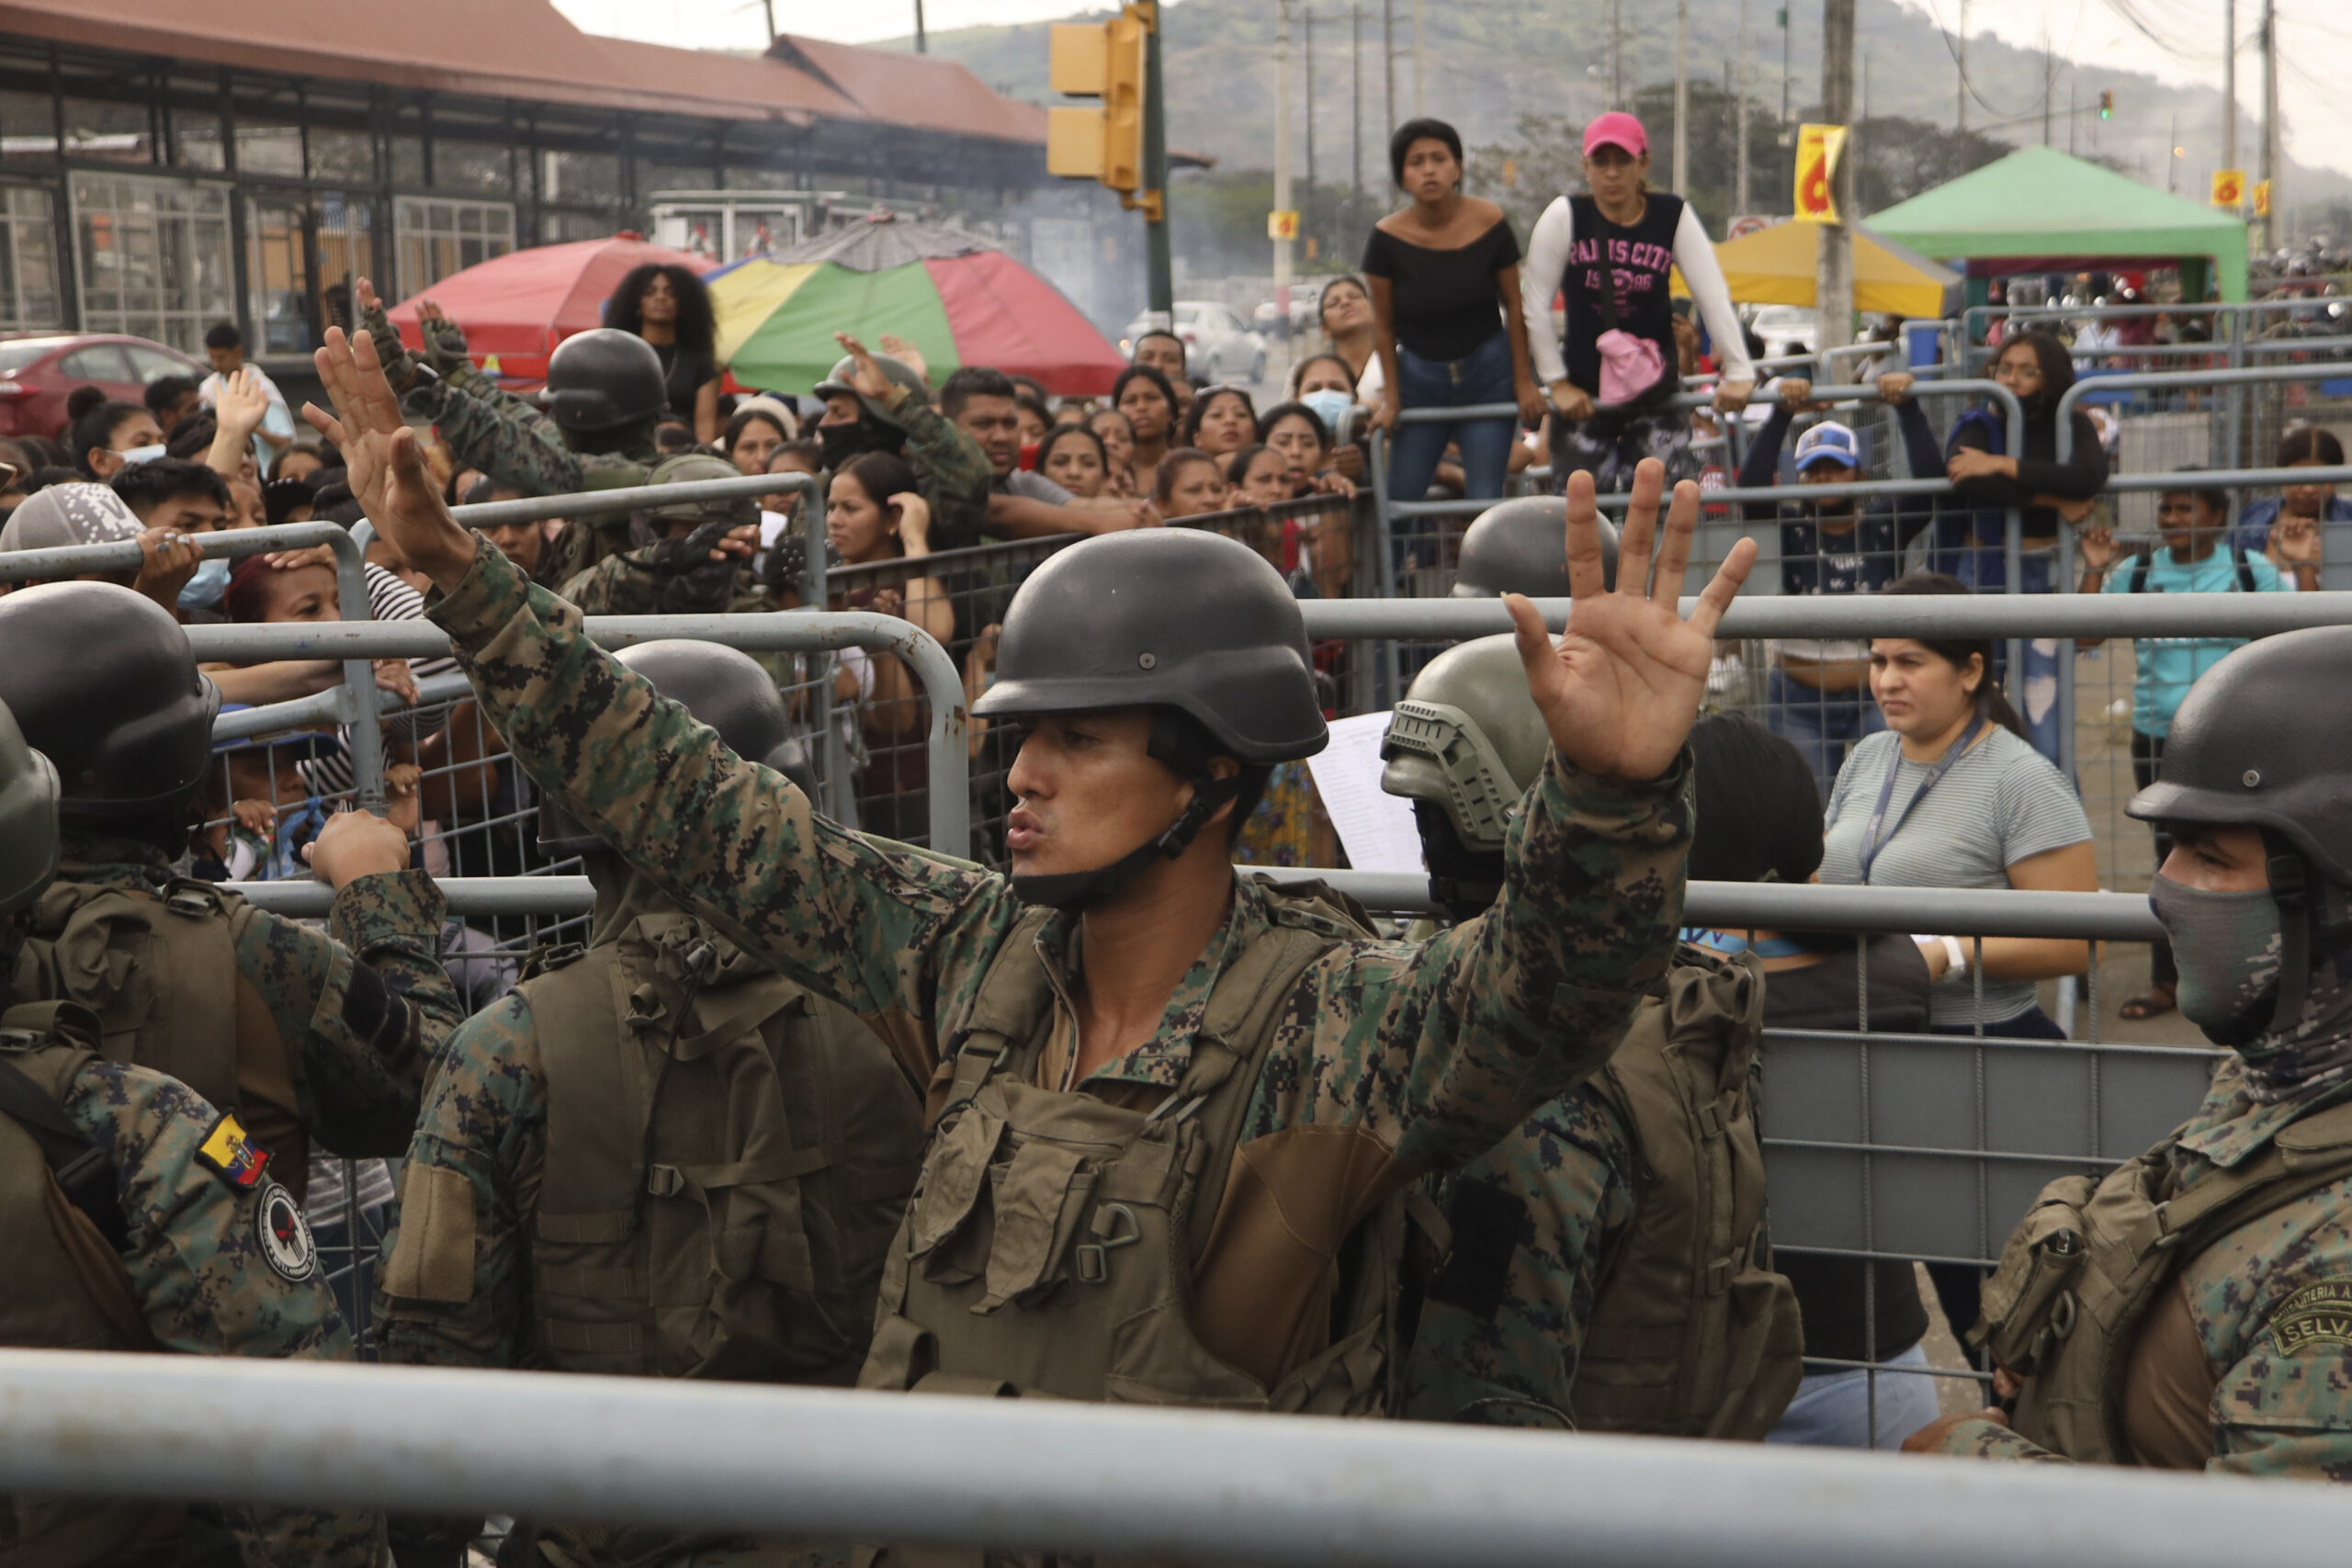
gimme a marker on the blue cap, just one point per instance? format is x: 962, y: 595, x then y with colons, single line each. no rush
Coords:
x: 1828, y: 441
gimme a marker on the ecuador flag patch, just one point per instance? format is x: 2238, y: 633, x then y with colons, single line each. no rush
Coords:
x: 226, y: 1150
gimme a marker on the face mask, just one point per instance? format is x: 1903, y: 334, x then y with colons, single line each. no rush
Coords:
x: 141, y: 454
x: 204, y: 590
x: 1330, y: 406
x: 2227, y: 946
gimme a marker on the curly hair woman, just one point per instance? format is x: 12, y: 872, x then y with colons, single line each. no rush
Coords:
x: 669, y: 308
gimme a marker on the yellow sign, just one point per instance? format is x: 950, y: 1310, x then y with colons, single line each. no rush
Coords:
x: 2262, y: 199
x: 2229, y: 188
x: 1282, y: 225
x: 1818, y: 149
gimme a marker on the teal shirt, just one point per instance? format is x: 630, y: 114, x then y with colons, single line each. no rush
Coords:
x: 2170, y: 665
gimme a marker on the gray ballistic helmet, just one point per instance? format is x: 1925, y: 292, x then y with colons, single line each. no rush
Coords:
x: 605, y: 379
x: 1164, y: 617
x: 27, y: 818
x: 898, y: 370
x: 1521, y: 547
x: 2248, y: 749
x: 687, y: 467
x: 103, y: 681
x: 722, y: 687
x: 1469, y: 741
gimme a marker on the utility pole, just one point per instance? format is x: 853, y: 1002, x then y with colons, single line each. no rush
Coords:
x: 2071, y: 113
x: 1739, y: 119
x: 1282, y: 150
x: 1420, y: 104
x: 2229, y: 83
x: 1307, y: 19
x: 922, y: 36
x: 1388, y: 61
x: 1682, y: 94
x: 1834, y: 275
x: 1616, y: 54
x: 2172, y: 157
x: 1960, y: 61
x: 1159, y: 265
x: 1355, y: 100
x: 1787, y: 126
x: 2271, y: 161
x: 2049, y: 86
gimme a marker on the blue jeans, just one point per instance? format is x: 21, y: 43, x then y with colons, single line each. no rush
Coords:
x: 1483, y: 375
x: 1832, y: 1410
x: 1986, y: 569
x: 1823, y: 725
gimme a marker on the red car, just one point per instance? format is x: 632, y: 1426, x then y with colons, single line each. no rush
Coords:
x: 37, y: 370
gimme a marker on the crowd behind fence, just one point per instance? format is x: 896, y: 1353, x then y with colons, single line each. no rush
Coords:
x: 1879, y: 1146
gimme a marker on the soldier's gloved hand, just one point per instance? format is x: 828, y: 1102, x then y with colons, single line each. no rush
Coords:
x: 400, y: 364
x: 787, y: 560
x: 445, y: 342
x: 701, y: 566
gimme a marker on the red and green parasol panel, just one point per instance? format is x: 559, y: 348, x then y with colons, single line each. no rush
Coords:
x: 952, y: 295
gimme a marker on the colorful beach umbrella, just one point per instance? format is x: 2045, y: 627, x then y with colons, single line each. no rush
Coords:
x: 518, y: 307
x: 954, y: 296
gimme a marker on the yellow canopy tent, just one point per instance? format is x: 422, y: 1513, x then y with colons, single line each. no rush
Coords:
x: 1775, y: 267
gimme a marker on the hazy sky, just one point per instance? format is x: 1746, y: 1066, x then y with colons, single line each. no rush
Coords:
x: 2315, y: 40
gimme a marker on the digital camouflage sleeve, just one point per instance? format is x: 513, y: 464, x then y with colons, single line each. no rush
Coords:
x: 633, y: 584
x: 357, y: 1069
x: 1502, y: 1324
x: 951, y: 470
x: 2271, y: 1303
x: 220, y: 1270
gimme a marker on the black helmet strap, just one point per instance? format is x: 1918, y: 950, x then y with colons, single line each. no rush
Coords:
x: 1178, y: 742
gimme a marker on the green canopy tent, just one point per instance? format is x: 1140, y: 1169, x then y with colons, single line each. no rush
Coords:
x: 2039, y: 210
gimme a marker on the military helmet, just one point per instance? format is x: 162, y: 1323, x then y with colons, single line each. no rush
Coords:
x: 103, y: 680
x: 687, y: 467
x: 1164, y: 617
x: 721, y: 687
x: 27, y: 818
x: 1521, y: 547
x: 1468, y: 739
x: 897, y: 369
x: 605, y: 379
x: 2248, y: 749
x: 59, y: 515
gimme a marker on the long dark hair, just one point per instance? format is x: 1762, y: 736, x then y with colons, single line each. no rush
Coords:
x: 1200, y: 401
x: 881, y: 475
x: 2057, y: 364
x: 1151, y: 373
x: 1760, y: 810
x: 697, y: 326
x: 94, y: 426
x: 1061, y: 432
x: 1991, y: 701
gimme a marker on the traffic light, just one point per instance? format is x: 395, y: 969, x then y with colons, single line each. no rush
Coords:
x: 2107, y: 106
x: 1098, y: 60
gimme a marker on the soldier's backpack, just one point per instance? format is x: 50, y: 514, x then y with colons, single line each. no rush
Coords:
x: 2091, y: 1256
x: 1692, y: 1333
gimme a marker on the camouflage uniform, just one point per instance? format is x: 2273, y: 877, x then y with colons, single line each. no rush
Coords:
x: 2271, y: 1306
x: 953, y: 474
x: 634, y: 584
x: 208, y: 1282
x: 1393, y: 1059
x: 1553, y: 1194
x: 351, y: 1098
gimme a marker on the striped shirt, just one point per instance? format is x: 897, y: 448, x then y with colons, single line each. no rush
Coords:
x: 389, y: 599
x: 2001, y: 803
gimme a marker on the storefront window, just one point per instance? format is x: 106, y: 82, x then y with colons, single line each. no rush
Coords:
x: 196, y: 139
x: 29, y: 259
x: 341, y: 155
x: 473, y: 165
x: 436, y: 237
x: 591, y: 179
x: 154, y: 255
x: 268, y: 149
x: 96, y: 129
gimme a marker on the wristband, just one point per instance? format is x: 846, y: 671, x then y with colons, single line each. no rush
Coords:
x: 1959, y: 957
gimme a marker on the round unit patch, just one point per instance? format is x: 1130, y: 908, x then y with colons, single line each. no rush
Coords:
x: 284, y: 1235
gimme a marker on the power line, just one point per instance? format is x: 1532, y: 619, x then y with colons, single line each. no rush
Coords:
x: 1961, y: 66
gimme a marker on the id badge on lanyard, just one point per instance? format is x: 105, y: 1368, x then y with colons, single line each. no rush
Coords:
x: 1875, y: 835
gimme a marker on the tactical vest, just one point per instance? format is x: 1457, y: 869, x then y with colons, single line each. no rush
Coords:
x: 1052, y: 1242
x: 1691, y: 1334
x: 2079, y: 1274
x: 160, y: 970
x: 64, y: 1288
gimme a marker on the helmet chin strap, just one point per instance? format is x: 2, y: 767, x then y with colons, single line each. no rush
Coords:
x: 1179, y: 746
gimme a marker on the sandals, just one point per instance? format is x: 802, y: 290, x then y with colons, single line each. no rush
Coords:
x: 2158, y: 1000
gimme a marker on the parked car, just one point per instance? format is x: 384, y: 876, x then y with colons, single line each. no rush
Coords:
x: 1218, y: 342
x: 37, y: 370
x: 1787, y: 329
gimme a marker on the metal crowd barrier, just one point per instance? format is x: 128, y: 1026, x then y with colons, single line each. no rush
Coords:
x: 822, y: 1464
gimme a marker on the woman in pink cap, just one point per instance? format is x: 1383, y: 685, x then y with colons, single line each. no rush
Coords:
x: 1609, y: 254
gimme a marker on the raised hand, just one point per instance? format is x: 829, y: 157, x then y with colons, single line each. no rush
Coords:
x: 864, y: 376
x: 1619, y: 691
x: 399, y: 366
x: 241, y: 405
x: 388, y: 473
x: 908, y: 354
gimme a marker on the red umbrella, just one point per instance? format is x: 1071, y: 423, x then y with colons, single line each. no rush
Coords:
x: 518, y: 307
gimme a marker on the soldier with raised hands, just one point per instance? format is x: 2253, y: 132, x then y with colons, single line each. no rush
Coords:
x: 1171, y: 1106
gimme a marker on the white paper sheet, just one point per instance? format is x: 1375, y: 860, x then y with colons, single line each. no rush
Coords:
x: 1374, y: 827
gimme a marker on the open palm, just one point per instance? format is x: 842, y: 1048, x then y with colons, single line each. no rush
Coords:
x: 388, y: 473
x: 1621, y: 690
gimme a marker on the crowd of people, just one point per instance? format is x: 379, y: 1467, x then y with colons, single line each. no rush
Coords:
x: 1093, y: 1113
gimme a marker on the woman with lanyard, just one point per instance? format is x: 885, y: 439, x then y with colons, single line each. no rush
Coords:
x: 1609, y: 255
x: 1951, y: 795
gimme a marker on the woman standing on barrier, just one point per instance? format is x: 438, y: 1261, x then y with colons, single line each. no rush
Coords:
x: 2289, y: 527
x: 1609, y: 254
x: 1990, y: 482
x: 1951, y: 795
x: 1446, y: 307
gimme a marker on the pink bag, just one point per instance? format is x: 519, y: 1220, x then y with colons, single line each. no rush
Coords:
x: 1631, y: 367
